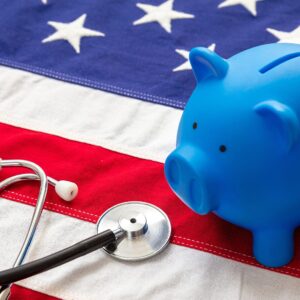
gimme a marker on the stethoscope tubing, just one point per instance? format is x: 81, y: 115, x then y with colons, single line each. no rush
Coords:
x: 66, y: 190
x: 24, y: 177
x: 39, y: 205
x: 39, y: 172
x: 61, y: 257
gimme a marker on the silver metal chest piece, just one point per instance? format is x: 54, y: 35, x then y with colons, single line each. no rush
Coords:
x: 147, y: 230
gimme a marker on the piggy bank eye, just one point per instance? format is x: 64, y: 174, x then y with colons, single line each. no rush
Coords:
x: 195, y: 125
x: 222, y: 148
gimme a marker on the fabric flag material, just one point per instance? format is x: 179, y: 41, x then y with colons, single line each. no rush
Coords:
x: 207, y: 257
x: 133, y: 48
x: 72, y: 86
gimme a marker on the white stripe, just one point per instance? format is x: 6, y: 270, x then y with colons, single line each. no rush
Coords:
x: 177, y: 273
x: 84, y: 114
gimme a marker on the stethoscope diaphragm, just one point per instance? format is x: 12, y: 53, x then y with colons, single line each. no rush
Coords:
x: 146, y: 230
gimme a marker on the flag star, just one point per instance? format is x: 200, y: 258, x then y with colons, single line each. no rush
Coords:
x: 185, y: 54
x: 250, y: 5
x: 162, y: 14
x: 286, y: 37
x: 45, y: 1
x: 71, y: 32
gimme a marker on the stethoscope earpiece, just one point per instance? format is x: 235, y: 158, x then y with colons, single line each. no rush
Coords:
x: 66, y: 190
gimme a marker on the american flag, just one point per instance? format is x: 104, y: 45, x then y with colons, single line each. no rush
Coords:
x: 93, y: 91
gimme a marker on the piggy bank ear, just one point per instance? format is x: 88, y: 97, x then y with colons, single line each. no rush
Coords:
x: 206, y: 63
x: 282, y: 118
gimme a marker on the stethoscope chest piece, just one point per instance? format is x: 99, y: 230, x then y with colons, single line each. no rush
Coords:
x: 146, y: 230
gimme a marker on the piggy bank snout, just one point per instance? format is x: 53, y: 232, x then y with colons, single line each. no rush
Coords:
x: 187, y: 182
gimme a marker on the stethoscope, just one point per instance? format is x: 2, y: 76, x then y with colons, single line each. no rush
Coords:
x: 130, y: 231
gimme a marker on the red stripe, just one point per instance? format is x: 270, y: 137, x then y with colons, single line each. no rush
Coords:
x: 18, y: 293
x: 106, y: 178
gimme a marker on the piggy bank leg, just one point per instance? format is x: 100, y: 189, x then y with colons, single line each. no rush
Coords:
x: 273, y: 247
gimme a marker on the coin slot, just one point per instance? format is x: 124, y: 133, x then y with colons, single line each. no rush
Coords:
x: 278, y: 62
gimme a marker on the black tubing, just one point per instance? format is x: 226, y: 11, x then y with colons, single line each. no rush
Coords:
x: 56, y: 259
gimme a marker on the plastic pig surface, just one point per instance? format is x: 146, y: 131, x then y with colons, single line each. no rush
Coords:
x: 238, y: 146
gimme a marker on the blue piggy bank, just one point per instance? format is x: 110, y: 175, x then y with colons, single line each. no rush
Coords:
x: 238, y: 146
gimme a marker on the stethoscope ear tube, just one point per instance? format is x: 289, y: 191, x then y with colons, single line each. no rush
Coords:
x: 65, y: 189
x: 51, y: 261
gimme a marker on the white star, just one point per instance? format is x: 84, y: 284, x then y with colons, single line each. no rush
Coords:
x: 44, y: 1
x: 186, y: 65
x: 286, y: 37
x: 162, y: 14
x: 250, y: 5
x: 71, y: 32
